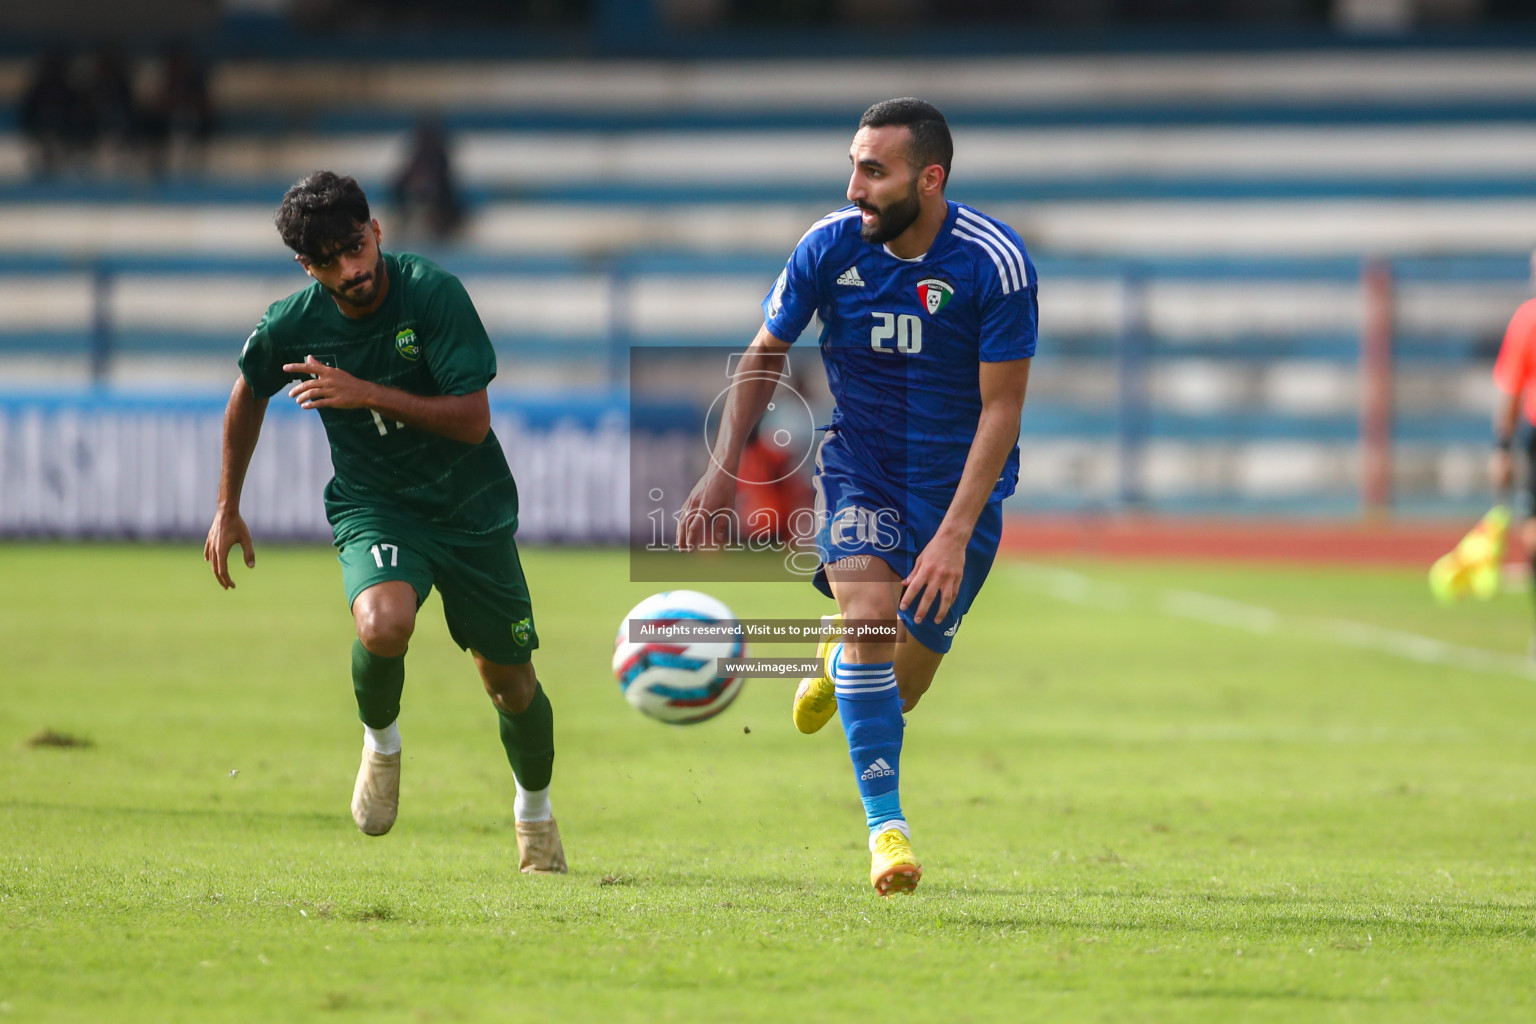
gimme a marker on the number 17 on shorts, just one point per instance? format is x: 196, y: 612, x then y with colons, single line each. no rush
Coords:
x: 375, y: 558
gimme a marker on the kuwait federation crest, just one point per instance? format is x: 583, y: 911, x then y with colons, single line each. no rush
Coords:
x: 934, y: 294
x: 405, y: 344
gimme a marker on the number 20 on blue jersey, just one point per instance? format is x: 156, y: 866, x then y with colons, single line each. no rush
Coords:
x: 905, y: 328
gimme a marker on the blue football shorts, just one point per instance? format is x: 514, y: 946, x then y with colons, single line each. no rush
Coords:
x: 860, y: 513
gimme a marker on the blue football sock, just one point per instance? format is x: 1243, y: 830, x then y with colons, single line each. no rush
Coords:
x: 870, y: 707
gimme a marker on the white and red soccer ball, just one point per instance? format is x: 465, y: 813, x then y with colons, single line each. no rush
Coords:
x: 675, y: 679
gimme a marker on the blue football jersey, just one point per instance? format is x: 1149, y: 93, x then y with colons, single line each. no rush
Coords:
x: 903, y: 340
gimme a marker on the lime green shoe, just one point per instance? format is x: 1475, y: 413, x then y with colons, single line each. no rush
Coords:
x: 893, y: 868
x: 816, y: 698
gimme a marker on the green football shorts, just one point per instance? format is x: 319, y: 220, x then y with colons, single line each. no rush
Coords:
x: 485, y: 597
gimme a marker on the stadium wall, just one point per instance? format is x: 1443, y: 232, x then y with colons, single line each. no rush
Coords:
x: 95, y: 467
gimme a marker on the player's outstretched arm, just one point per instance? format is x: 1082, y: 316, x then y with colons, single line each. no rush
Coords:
x: 242, y: 428
x: 940, y: 566
x: 756, y: 376
x: 464, y: 418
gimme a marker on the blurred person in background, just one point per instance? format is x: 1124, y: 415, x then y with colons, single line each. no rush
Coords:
x: 389, y: 349
x: 180, y: 114
x: 1514, y: 372
x: 115, y: 123
x: 424, y: 192
x: 51, y: 114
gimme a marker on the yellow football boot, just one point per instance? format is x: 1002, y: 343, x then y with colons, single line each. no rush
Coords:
x: 893, y: 867
x: 816, y: 698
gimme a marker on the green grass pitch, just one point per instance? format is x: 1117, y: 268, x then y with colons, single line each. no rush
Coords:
x: 1141, y: 792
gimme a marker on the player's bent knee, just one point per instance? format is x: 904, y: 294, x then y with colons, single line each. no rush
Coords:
x: 384, y: 631
x: 385, y: 615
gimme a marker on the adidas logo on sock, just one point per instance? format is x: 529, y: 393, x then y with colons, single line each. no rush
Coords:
x: 851, y: 277
x: 878, y: 770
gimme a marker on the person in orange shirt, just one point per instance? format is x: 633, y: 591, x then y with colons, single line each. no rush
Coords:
x: 1515, y: 375
x: 770, y: 490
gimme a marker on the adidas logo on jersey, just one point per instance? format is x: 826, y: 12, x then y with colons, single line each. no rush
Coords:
x: 851, y: 277
x: 878, y: 770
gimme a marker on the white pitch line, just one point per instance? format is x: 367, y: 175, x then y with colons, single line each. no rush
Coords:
x: 1424, y: 649
x: 1078, y: 588
x: 1220, y: 611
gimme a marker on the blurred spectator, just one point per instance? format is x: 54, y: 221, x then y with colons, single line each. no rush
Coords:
x: 424, y: 192
x: 114, y: 123
x: 180, y: 115
x: 51, y: 114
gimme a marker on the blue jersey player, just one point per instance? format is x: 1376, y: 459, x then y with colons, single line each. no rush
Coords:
x: 928, y: 312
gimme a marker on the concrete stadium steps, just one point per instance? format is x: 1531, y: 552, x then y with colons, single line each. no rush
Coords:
x: 1304, y: 153
x: 1128, y: 228
x: 1072, y: 395
x: 837, y: 86
x: 813, y: 162
x: 841, y: 87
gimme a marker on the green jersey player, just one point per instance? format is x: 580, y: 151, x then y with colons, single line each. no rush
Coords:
x: 389, y: 350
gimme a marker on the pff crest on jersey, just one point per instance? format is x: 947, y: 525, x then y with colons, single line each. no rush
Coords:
x: 407, y: 346
x: 934, y: 294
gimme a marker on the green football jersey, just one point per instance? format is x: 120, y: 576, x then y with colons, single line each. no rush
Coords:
x: 427, y: 339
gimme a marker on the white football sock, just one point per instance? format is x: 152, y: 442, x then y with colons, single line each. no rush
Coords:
x: 531, y: 804
x: 382, y: 741
x: 896, y: 823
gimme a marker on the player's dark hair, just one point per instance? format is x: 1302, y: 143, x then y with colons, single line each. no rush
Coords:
x: 321, y: 213
x: 931, y: 143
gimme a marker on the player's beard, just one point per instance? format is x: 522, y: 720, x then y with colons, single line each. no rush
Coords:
x: 893, y: 220
x: 361, y: 299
